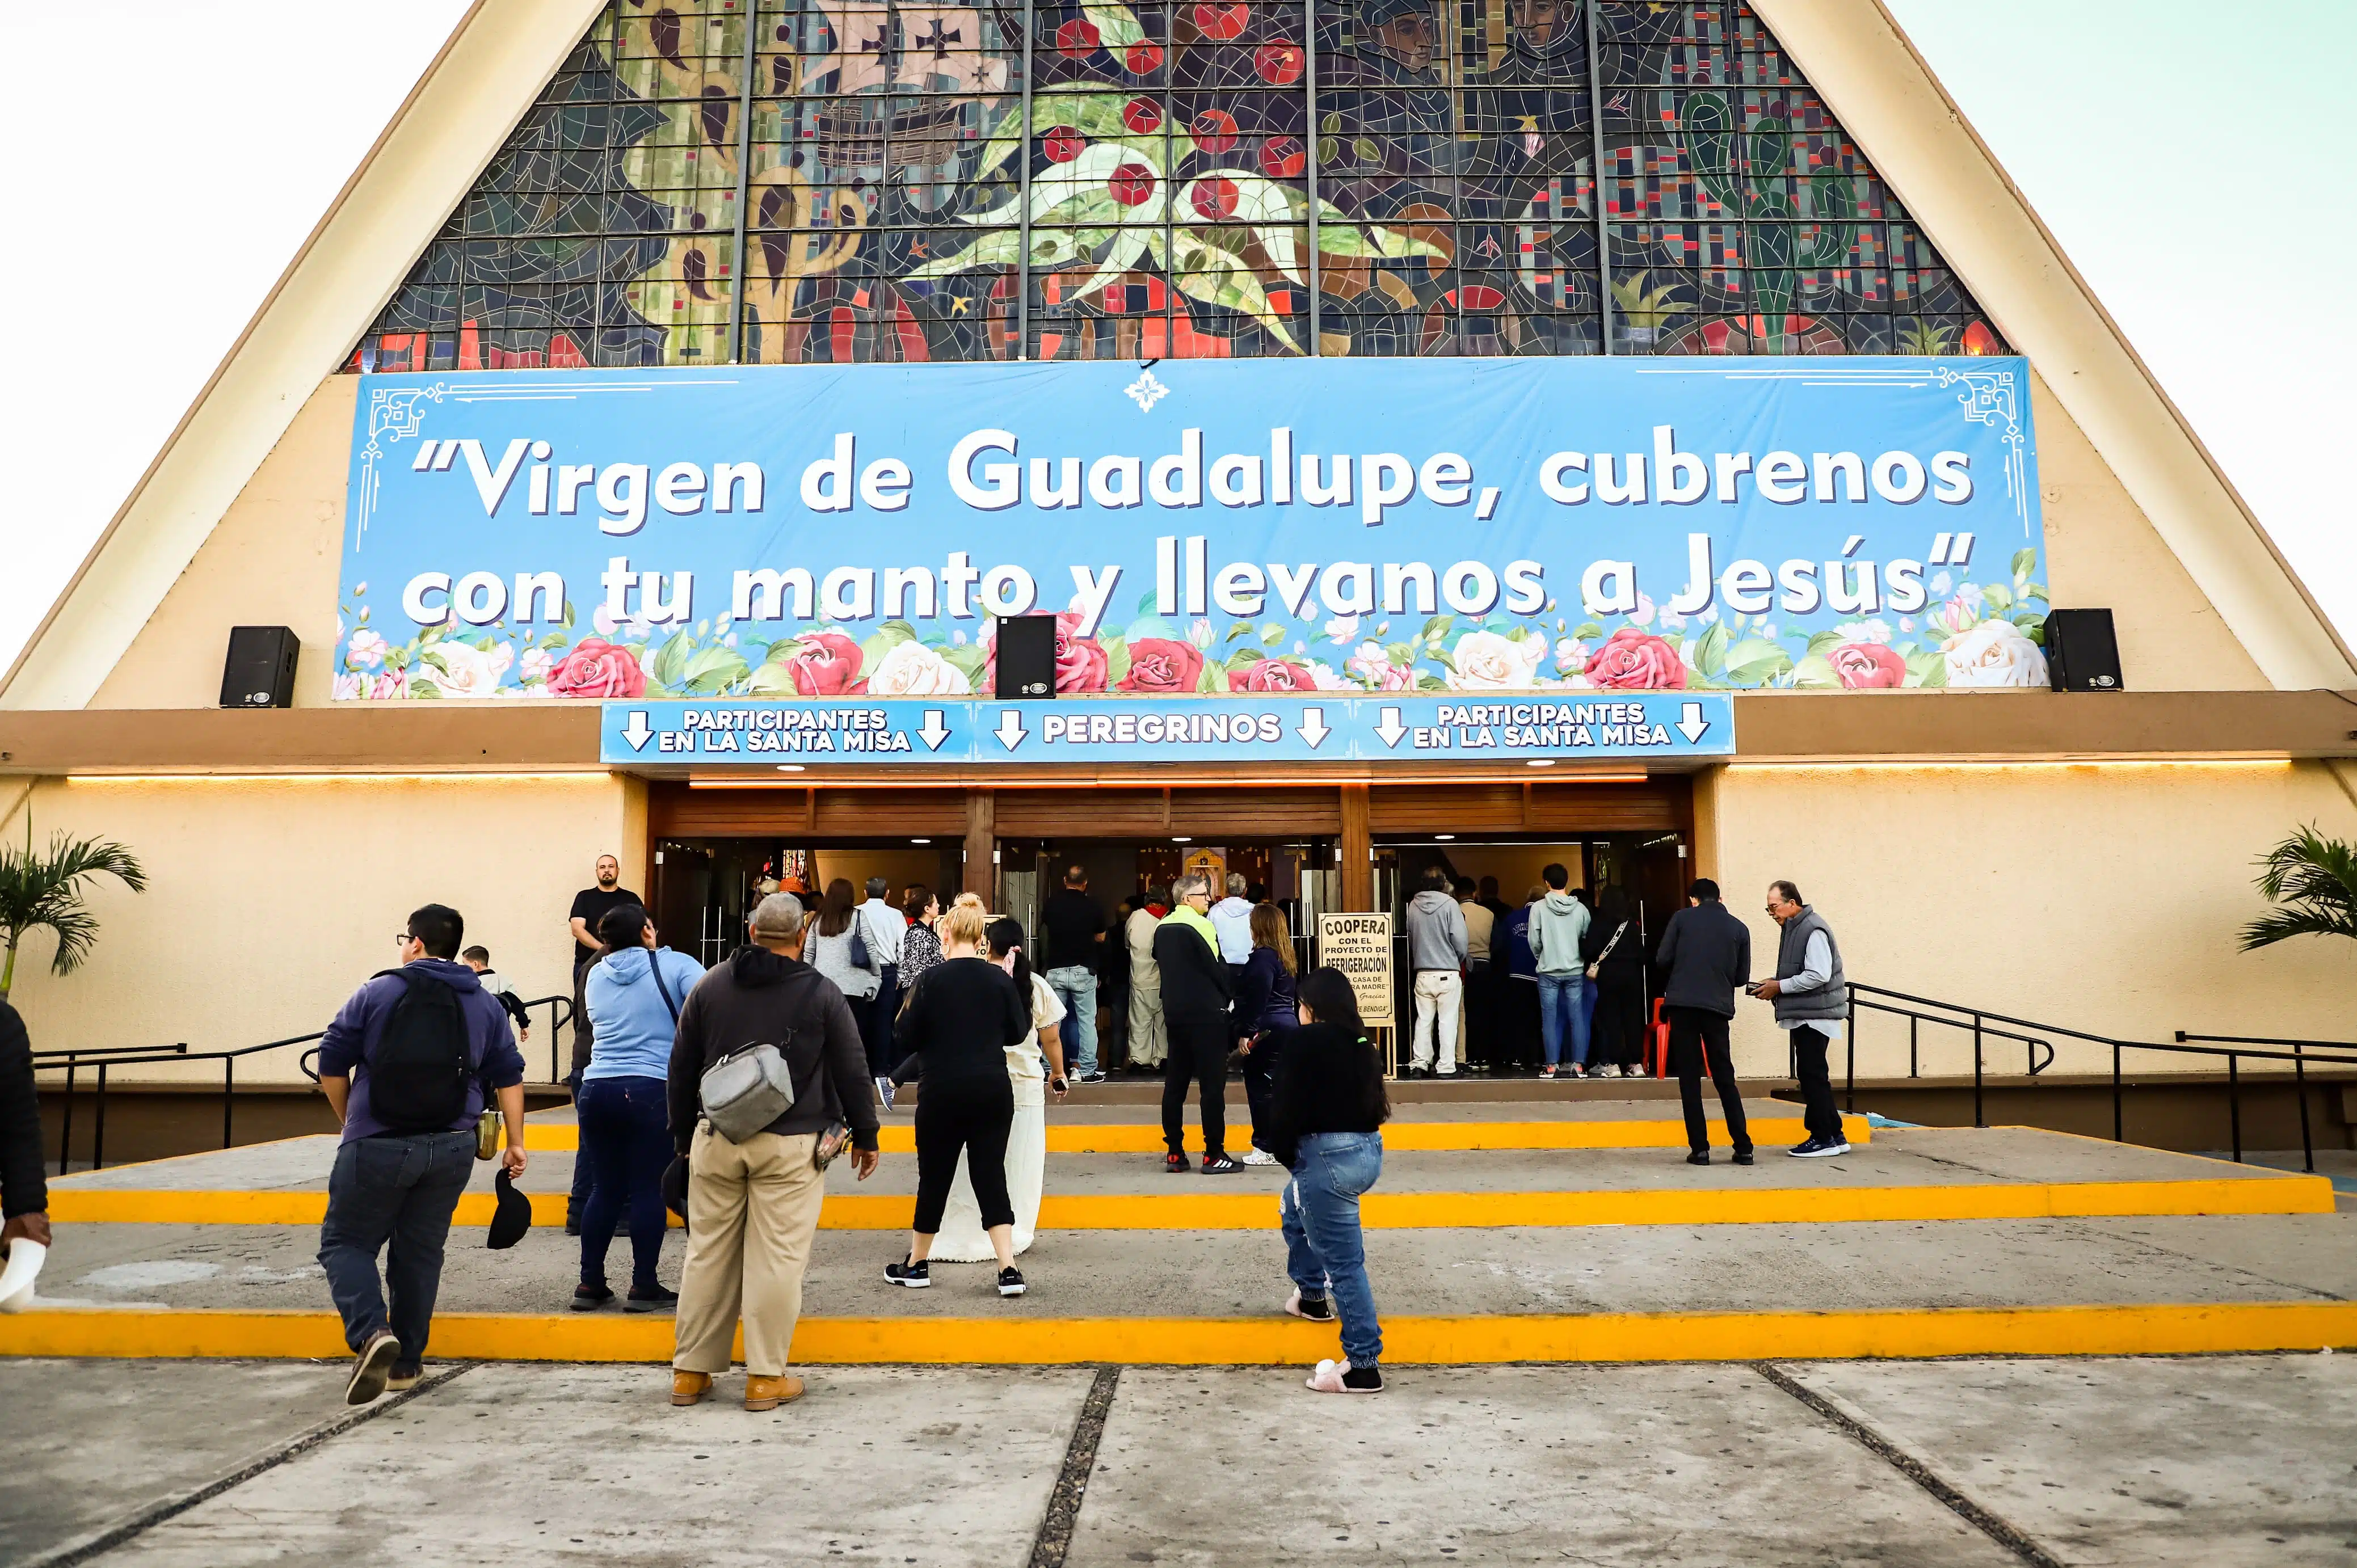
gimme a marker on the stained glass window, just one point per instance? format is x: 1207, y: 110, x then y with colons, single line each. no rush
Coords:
x: 875, y: 181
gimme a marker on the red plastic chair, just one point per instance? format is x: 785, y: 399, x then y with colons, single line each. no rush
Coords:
x: 1657, y: 1046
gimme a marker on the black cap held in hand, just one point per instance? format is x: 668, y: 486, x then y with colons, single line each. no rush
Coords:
x: 514, y: 1215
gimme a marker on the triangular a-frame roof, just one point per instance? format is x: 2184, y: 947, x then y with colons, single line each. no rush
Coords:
x: 490, y: 72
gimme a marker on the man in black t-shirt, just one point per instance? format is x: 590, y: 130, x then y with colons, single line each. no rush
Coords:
x: 591, y: 904
x: 589, y: 907
x: 1076, y: 945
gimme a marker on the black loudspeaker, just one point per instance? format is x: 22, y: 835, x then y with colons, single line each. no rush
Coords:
x: 260, y: 671
x: 1027, y: 657
x: 2081, y: 653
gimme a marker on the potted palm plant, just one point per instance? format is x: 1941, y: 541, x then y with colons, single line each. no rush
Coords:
x: 46, y: 891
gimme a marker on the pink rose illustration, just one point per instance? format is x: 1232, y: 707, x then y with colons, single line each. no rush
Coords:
x: 827, y: 666
x: 1373, y: 666
x: 1634, y: 661
x: 1157, y: 665
x: 1862, y: 665
x: 1272, y: 675
x: 598, y: 670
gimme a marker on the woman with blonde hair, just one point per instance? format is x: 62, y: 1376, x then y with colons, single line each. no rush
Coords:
x: 962, y: 1016
x: 1035, y: 1070
x: 1265, y: 1017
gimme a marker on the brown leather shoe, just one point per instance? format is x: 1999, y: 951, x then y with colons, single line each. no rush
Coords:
x: 768, y: 1393
x: 689, y: 1388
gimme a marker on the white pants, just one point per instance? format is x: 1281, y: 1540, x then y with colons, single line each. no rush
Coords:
x: 1439, y: 998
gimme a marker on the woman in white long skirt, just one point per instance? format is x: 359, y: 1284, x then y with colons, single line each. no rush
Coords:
x: 1037, y: 1067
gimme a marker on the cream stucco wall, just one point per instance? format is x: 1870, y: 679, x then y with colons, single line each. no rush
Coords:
x: 2101, y: 552
x: 2096, y: 897
x: 269, y: 899
x: 273, y: 560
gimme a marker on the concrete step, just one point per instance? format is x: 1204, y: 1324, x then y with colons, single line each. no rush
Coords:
x: 2135, y: 1285
x: 1921, y: 1174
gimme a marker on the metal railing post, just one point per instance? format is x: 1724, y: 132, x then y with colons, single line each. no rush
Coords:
x: 229, y: 1084
x: 1852, y: 1032
x: 1980, y: 1117
x: 1914, y: 1045
x: 2118, y: 1121
x: 2299, y: 1079
x: 65, y: 1133
x: 98, y: 1135
x: 2234, y: 1103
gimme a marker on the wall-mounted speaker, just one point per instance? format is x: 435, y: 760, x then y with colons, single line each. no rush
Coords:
x: 2081, y: 653
x: 1027, y: 657
x: 260, y: 670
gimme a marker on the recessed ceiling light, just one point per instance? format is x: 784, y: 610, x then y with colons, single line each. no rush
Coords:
x: 790, y: 768
x: 1444, y: 836
x: 920, y: 841
x: 1542, y: 762
x: 1175, y: 839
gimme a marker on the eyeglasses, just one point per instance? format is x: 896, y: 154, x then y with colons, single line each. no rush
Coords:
x: 403, y: 938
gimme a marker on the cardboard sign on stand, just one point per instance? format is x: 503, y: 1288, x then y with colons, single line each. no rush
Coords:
x: 1360, y: 945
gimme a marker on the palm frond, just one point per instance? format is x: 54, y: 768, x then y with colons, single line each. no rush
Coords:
x: 45, y: 890
x: 2314, y: 880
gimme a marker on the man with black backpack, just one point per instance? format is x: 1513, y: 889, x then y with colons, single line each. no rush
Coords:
x: 409, y: 1066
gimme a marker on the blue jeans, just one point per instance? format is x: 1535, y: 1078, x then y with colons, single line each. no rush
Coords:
x: 626, y: 1133
x: 1076, y: 988
x: 394, y: 1195
x: 1324, y: 1251
x: 1560, y: 1009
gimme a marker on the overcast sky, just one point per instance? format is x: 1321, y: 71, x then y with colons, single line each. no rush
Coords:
x: 2192, y: 158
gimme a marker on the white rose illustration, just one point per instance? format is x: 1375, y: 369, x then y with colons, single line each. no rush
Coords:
x: 1994, y: 654
x: 912, y: 669
x: 1490, y: 662
x: 468, y: 671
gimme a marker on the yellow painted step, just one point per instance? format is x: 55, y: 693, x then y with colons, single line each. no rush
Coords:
x: 1399, y: 1137
x: 1378, y: 1210
x: 2126, y: 1329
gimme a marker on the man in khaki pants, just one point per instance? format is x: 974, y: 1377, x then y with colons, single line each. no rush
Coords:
x: 1150, y: 1044
x: 752, y: 1207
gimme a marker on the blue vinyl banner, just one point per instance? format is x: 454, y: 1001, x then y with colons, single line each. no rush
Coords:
x: 1354, y: 528
x: 1542, y: 727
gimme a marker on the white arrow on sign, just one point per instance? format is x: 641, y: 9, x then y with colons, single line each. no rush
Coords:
x: 1391, y: 729
x: 1314, y: 727
x: 636, y: 731
x: 936, y: 729
x: 1692, y: 724
x: 1010, y: 729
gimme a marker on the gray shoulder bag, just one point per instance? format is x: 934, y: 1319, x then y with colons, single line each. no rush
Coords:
x: 746, y: 1090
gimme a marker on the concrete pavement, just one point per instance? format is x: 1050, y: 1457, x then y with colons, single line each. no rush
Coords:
x: 2216, y: 1460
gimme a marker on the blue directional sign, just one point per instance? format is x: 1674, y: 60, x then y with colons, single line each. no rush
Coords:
x: 1467, y: 727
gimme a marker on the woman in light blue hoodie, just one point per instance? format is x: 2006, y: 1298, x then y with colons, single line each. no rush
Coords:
x: 634, y: 995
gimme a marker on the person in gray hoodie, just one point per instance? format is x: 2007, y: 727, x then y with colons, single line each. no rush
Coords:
x: 1436, y: 949
x: 1557, y: 923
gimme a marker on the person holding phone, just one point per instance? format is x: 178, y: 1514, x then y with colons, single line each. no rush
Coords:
x: 1811, y: 999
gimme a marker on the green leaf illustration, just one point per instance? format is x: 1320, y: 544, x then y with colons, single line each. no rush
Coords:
x: 2023, y: 560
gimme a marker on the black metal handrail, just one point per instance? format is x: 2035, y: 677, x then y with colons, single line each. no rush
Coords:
x: 72, y: 1060
x: 2234, y: 1048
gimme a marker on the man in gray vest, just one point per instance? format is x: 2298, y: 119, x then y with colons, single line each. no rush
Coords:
x: 1812, y: 998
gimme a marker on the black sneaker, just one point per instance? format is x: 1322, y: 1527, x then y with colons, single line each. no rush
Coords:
x: 1221, y: 1164
x: 1176, y: 1162
x: 1818, y: 1149
x: 649, y: 1301
x: 1699, y: 1157
x: 1316, y: 1308
x: 1089, y: 1078
x: 1010, y: 1281
x: 916, y: 1276
x: 1742, y: 1157
x: 1364, y: 1380
x: 590, y: 1299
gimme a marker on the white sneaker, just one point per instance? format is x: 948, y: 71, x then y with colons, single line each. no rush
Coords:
x: 1259, y: 1157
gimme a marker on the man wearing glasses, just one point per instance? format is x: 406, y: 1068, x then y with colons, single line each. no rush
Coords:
x: 1812, y: 998
x: 408, y: 1066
